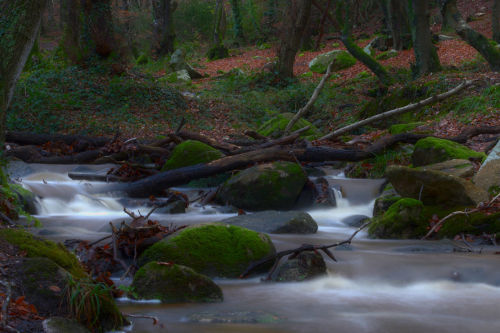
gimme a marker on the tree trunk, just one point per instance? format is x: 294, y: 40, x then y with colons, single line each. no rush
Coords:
x: 427, y: 60
x: 296, y: 17
x: 358, y: 52
x: 478, y: 41
x: 270, y: 18
x: 164, y: 25
x: 238, y: 26
x: 19, y: 26
x: 495, y: 21
x: 398, y: 22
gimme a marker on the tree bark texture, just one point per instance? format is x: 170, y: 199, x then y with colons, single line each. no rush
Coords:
x: 358, y: 52
x: 164, y: 25
x: 495, y: 21
x: 295, y: 23
x: 427, y: 60
x: 19, y: 26
x: 398, y: 22
x: 238, y: 26
x: 478, y: 41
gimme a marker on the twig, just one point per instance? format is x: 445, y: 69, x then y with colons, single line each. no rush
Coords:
x: 155, y: 319
x: 311, y: 101
x: 404, y: 109
x: 465, y: 212
x: 181, y: 125
x: 294, y: 252
x: 99, y: 240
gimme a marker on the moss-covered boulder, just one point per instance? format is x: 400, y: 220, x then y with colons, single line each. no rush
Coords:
x: 404, y: 219
x: 434, y: 150
x: 36, y: 247
x: 26, y: 198
x: 275, y: 127
x: 274, y: 186
x: 276, y: 222
x: 457, y: 167
x: 174, y: 284
x: 191, y: 152
x: 488, y: 176
x: 306, y: 266
x: 62, y: 325
x: 341, y: 60
x: 435, y: 187
x: 216, y: 250
x: 405, y: 128
x: 385, y: 200
x: 43, y: 282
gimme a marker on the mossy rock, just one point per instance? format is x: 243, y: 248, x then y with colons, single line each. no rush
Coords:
x: 212, y: 249
x: 174, y: 284
x: 142, y: 59
x: 306, y: 266
x: 275, y: 186
x: 404, y: 219
x: 43, y: 282
x: 62, y: 325
x: 432, y: 150
x: 275, y: 127
x: 434, y: 187
x: 36, y: 247
x: 387, y: 55
x: 25, y: 198
x: 404, y: 128
x: 191, y: 152
x: 341, y: 60
x: 456, y: 167
x: 488, y: 176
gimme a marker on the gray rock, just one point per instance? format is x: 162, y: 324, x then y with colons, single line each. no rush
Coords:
x: 435, y: 187
x: 275, y: 222
x: 355, y: 220
x: 442, y: 38
x: 341, y: 59
x: 62, y: 325
x: 456, y: 167
x: 178, y: 63
x: 488, y: 176
x: 307, y: 265
x: 176, y: 207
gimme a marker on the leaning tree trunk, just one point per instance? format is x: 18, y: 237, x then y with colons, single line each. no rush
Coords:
x: 164, y: 25
x: 495, y: 21
x: 296, y: 17
x: 357, y: 52
x: 19, y: 26
x: 478, y: 41
x: 427, y: 60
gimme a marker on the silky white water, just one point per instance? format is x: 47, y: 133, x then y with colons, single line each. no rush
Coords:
x: 376, y: 285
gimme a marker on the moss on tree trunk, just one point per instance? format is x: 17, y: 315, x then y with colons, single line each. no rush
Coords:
x: 19, y: 25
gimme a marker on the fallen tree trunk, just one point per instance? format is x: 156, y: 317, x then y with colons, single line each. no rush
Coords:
x: 225, y: 147
x: 26, y: 138
x: 156, y: 184
x: 404, y: 109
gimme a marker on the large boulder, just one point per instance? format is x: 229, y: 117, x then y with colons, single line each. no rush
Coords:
x: 266, y: 186
x: 432, y: 150
x: 404, y: 219
x: 275, y: 126
x: 388, y: 197
x: 216, y: 250
x: 275, y: 222
x: 26, y: 198
x: 341, y: 60
x: 174, y: 284
x: 434, y: 187
x: 306, y: 266
x: 191, y: 152
x: 457, y: 167
x: 178, y: 63
x: 488, y: 176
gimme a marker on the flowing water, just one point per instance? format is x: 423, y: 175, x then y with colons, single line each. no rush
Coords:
x: 376, y: 285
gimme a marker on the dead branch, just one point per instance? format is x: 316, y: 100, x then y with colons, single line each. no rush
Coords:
x: 295, y: 252
x: 311, y: 101
x: 225, y: 147
x: 404, y: 109
x: 255, y: 135
x: 465, y: 212
x: 6, y: 219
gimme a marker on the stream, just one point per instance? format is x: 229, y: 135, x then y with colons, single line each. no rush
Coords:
x: 376, y: 285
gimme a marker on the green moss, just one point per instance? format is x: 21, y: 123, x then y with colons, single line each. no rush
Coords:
x: 212, y: 249
x: 174, y: 284
x: 142, y: 59
x: 274, y: 127
x: 341, y: 60
x: 43, y: 248
x: 387, y: 55
x: 191, y: 152
x: 404, y: 128
x: 434, y: 150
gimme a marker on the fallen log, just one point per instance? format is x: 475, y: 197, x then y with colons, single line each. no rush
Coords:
x: 26, y: 138
x: 225, y: 147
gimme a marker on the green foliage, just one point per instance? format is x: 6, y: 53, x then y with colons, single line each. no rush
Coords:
x: 274, y: 127
x: 54, y: 98
x: 404, y: 128
x: 485, y: 103
x: 92, y: 304
x: 35, y: 247
x: 191, y: 152
x: 193, y: 20
x: 375, y: 167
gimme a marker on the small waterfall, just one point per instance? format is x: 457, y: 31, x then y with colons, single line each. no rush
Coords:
x: 339, y: 198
